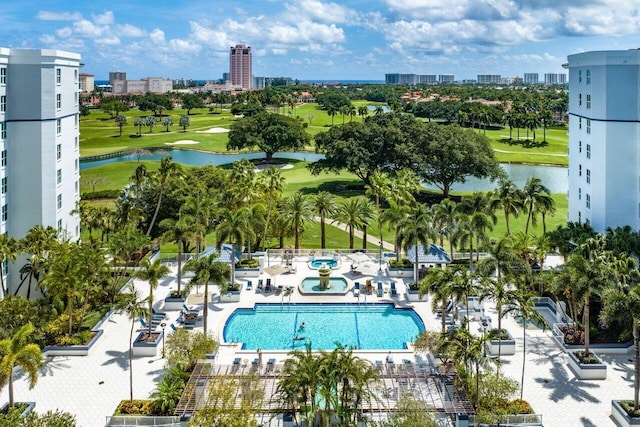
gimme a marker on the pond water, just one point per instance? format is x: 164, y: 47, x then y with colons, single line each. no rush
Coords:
x: 555, y: 178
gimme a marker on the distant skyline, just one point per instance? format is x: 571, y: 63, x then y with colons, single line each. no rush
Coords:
x: 315, y: 40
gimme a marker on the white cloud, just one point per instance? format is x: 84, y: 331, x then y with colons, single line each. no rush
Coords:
x: 315, y: 10
x: 157, y: 36
x: 64, y: 32
x: 45, y: 15
x: 111, y: 40
x: 104, y: 19
x: 128, y: 30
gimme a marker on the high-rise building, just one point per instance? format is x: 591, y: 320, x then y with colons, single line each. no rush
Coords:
x: 240, y: 66
x: 604, y: 129
x: 446, y: 78
x: 489, y: 79
x: 39, y: 131
x: 116, y: 75
x: 87, y: 82
x: 531, y: 78
x: 555, y: 78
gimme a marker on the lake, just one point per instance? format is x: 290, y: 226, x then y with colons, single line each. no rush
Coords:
x: 555, y: 178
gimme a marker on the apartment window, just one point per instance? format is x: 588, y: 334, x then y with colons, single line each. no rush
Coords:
x: 588, y: 101
x: 579, y: 76
x: 58, y: 101
x: 76, y: 165
x: 579, y: 146
x: 5, y: 268
x: 60, y: 201
x: 4, y: 158
x: 59, y: 126
x: 5, y: 212
x: 588, y: 151
x: 588, y: 176
x: 76, y: 143
x: 579, y: 170
x: 75, y: 75
x: 3, y: 130
x: 579, y: 99
x: 58, y: 151
x: 579, y: 122
x: 59, y: 225
x: 77, y: 231
x: 3, y: 76
x: 77, y: 187
x: 76, y: 120
x: 588, y: 201
x: 588, y: 77
x: 4, y: 185
x: 76, y: 98
x: 3, y: 103
x: 58, y: 75
x: 579, y: 217
x: 579, y: 193
x: 588, y: 126
x: 59, y: 176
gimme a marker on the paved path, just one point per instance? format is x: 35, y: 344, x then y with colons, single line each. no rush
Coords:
x: 375, y: 240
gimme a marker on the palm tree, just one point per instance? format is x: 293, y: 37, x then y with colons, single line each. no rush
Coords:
x: 18, y: 351
x: 508, y: 197
x: 324, y: 204
x: 368, y: 213
x: 208, y: 269
x: 176, y: 232
x: 414, y: 230
x: 195, y: 214
x: 503, y: 294
x: 273, y: 182
x: 393, y: 216
x: 363, y: 111
x: 120, y: 121
x: 152, y: 272
x: 36, y: 243
x: 8, y: 252
x: 166, y: 170
x: 331, y: 111
x: 352, y: 212
x: 296, y: 210
x: 134, y: 306
x: 446, y: 214
x: 535, y: 196
x: 232, y: 229
x: 167, y: 121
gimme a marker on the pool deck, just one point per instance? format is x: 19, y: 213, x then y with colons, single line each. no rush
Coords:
x: 90, y: 387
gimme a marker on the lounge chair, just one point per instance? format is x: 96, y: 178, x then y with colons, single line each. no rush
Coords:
x: 249, y: 285
x: 380, y: 291
x: 447, y: 309
x: 356, y: 289
x: 260, y: 287
x: 394, y: 291
x: 237, y: 361
x: 255, y: 362
x: 267, y: 287
x: 158, y: 313
x: 174, y: 327
x: 186, y: 309
x: 145, y: 325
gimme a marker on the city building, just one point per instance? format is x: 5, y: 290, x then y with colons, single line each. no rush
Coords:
x: 240, y: 71
x: 39, y: 131
x: 258, y: 83
x: 489, y: 79
x: 226, y: 77
x: 116, y: 75
x: 87, y: 82
x: 150, y: 84
x: 531, y: 78
x: 446, y: 78
x: 555, y: 78
x: 604, y: 129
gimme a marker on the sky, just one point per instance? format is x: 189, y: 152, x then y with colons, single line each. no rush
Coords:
x: 317, y: 40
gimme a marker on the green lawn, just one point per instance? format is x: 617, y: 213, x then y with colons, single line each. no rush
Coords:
x: 551, y: 152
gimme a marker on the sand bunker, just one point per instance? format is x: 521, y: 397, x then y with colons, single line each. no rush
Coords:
x: 214, y: 130
x: 260, y: 168
x: 182, y: 142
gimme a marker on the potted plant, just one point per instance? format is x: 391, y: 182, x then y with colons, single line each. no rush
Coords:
x: 175, y: 300
x: 400, y: 267
x: 501, y: 342
x: 231, y: 293
x: 587, y: 366
x: 248, y: 267
x: 413, y: 291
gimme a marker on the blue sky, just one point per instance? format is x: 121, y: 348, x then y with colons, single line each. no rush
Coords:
x: 312, y: 39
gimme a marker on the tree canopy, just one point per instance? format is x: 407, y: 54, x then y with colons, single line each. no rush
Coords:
x: 269, y: 132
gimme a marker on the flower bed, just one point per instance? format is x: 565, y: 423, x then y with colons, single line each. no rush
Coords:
x: 587, y: 368
x: 620, y: 410
x: 146, y: 345
x: 502, y: 344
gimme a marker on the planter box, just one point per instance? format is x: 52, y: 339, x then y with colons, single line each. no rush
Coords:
x: 621, y: 417
x: 504, y: 347
x: 247, y: 272
x: 415, y: 296
x: 231, y: 296
x: 591, y: 371
x: 73, y: 350
x: 173, y: 304
x: 146, y: 349
x: 25, y: 412
x: 400, y: 272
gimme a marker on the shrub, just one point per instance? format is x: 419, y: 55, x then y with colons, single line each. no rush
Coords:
x: 176, y: 294
x: 134, y: 407
x: 519, y: 406
x: 587, y: 360
x: 627, y: 405
x: 499, y: 334
x: 102, y: 194
x: 414, y: 286
x: 401, y: 263
x: 56, y: 331
x: 248, y: 263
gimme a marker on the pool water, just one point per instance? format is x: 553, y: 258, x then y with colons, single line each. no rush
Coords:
x: 317, y: 263
x: 312, y: 284
x: 367, y: 327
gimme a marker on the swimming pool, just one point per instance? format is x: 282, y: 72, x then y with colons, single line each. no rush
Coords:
x: 311, y: 285
x: 367, y: 327
x: 317, y: 263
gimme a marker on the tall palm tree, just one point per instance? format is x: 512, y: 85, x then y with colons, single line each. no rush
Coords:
x: 536, y: 197
x: 152, y: 272
x: 296, y: 210
x: 393, y: 216
x: 166, y: 170
x: 176, y: 232
x: 331, y: 111
x: 208, y: 269
x: 446, y: 214
x: 8, y: 252
x: 324, y: 204
x: 351, y: 212
x: 36, y: 243
x: 195, y: 214
x: 414, y: 230
x: 508, y: 197
x: 273, y: 182
x: 503, y: 294
x: 232, y: 229
x: 131, y: 303
x: 368, y: 213
x: 18, y: 351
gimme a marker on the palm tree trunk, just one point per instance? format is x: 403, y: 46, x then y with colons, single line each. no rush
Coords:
x: 70, y: 302
x: 205, y: 313
x: 585, y: 321
x: 364, y: 237
x: 155, y: 214
x: 636, y: 366
x: 11, y: 402
x: 322, y: 232
x: 524, y: 352
x: 179, y: 266
x: 131, y: 360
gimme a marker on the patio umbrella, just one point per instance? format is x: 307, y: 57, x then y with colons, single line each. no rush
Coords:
x: 358, y: 257
x: 276, y: 270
